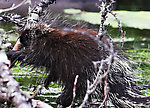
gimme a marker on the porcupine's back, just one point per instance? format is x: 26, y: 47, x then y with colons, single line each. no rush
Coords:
x: 65, y: 53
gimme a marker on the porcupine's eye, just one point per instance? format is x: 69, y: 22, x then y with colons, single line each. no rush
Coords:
x: 25, y: 38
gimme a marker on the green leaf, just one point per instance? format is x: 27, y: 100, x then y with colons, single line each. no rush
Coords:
x: 133, y: 19
x: 72, y: 11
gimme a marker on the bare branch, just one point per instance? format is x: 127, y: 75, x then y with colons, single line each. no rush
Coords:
x: 13, y: 18
x: 16, y: 45
x: 104, y: 100
x: 119, y: 25
x: 105, y: 92
x: 103, y: 19
x: 14, y: 7
x: 38, y: 89
x: 104, y: 10
x: 9, y: 88
x: 74, y: 91
x: 104, y: 7
x: 39, y: 104
x: 35, y: 13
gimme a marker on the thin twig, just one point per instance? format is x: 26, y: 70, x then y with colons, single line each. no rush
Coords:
x: 35, y: 13
x: 92, y: 88
x: 38, y: 89
x: 109, y: 60
x: 103, y: 103
x: 119, y: 26
x: 13, y: 18
x: 86, y: 95
x: 14, y: 7
x: 104, y: 13
x: 105, y: 90
x: 74, y: 91
x: 16, y: 47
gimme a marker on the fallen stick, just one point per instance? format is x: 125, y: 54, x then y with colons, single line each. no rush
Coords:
x: 10, y: 91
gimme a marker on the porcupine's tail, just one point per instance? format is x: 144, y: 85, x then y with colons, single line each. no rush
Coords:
x: 124, y: 93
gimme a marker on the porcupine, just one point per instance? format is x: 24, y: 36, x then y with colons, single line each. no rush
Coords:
x: 67, y: 52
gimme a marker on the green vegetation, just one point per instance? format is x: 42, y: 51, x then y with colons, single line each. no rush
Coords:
x: 142, y: 58
x: 26, y: 76
x: 30, y: 78
x: 72, y: 11
x: 133, y: 19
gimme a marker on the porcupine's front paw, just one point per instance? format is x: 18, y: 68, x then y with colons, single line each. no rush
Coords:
x: 65, y: 99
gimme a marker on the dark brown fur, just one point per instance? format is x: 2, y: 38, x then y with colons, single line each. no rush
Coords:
x: 69, y: 52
